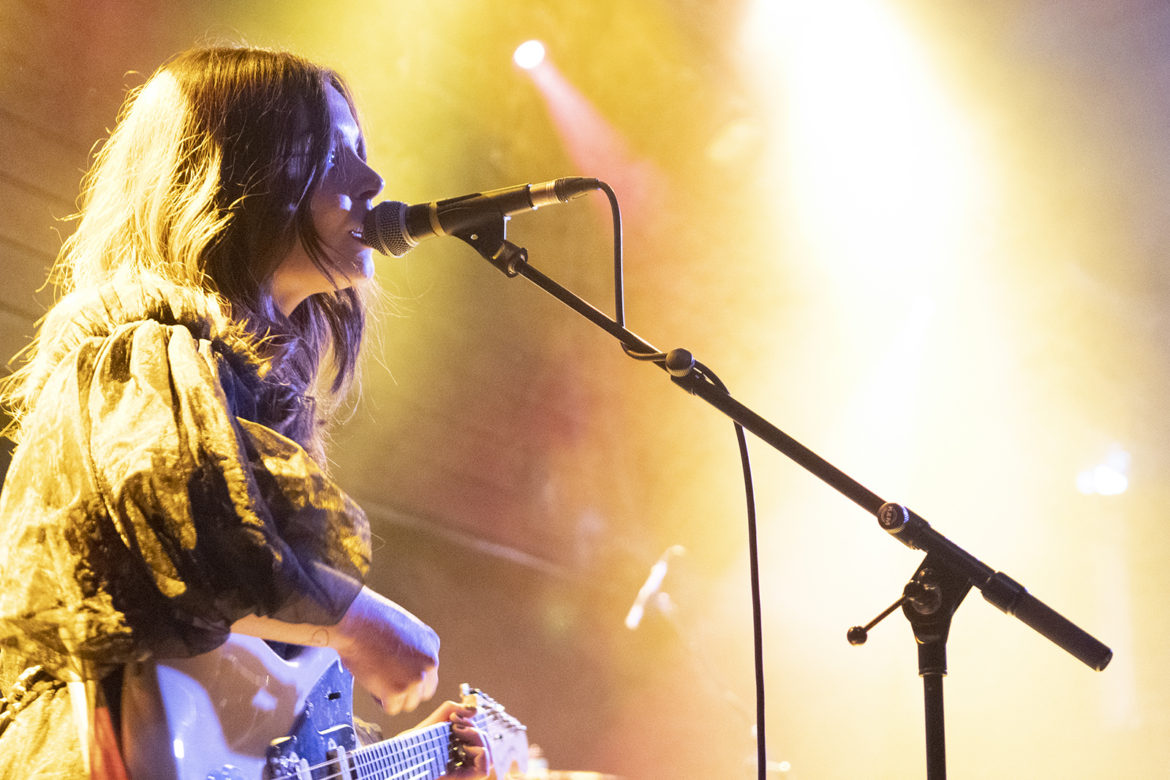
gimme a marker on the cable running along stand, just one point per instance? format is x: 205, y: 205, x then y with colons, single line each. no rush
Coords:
x: 939, y: 584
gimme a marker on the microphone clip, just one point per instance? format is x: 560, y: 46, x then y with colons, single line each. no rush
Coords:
x: 489, y: 240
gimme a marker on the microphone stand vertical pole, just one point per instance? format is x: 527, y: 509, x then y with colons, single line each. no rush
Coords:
x: 932, y: 667
x: 931, y: 598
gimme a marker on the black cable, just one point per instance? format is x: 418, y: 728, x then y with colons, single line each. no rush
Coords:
x: 754, y: 569
x: 709, y: 376
x: 619, y: 294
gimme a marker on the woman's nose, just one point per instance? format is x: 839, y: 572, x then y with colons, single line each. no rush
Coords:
x: 367, y: 182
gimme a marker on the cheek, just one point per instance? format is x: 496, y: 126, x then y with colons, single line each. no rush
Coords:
x: 329, y: 209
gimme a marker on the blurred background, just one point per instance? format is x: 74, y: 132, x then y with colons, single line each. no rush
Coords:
x: 927, y: 239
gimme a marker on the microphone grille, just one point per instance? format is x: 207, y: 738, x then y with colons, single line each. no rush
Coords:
x: 384, y: 228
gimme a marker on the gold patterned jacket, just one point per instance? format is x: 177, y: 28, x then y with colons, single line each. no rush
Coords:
x: 148, y: 506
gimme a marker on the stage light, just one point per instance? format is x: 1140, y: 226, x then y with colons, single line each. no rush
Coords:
x: 592, y: 142
x: 529, y: 54
x: 1109, y: 478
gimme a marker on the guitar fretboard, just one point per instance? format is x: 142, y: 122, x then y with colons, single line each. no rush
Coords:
x: 419, y: 755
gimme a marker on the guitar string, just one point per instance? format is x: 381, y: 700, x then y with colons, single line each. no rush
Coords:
x: 401, y: 750
x: 362, y: 762
x: 436, y: 736
x: 362, y: 765
x: 365, y: 757
x: 369, y: 756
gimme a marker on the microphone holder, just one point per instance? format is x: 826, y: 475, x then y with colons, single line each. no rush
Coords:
x: 928, y: 601
x: 947, y: 572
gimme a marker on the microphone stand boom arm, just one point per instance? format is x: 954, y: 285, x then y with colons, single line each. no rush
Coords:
x: 903, y: 524
x: 948, y: 571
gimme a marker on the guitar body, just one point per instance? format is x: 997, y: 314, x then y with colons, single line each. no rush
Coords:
x: 215, y: 715
x: 244, y: 712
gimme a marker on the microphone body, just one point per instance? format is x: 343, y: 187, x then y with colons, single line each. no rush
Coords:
x: 651, y: 587
x: 395, y: 228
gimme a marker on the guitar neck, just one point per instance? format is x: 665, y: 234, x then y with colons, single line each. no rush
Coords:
x: 423, y: 753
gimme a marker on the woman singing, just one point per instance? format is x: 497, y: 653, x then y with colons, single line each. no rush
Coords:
x: 169, y: 484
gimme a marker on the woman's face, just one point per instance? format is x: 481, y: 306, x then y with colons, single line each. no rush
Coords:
x: 338, y: 207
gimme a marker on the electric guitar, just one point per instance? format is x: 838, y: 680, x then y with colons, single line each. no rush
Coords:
x: 243, y: 712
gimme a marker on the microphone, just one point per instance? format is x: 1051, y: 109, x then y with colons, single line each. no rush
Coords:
x: 395, y: 228
x: 651, y: 587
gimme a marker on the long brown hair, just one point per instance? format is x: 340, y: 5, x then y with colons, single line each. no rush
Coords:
x: 205, y: 183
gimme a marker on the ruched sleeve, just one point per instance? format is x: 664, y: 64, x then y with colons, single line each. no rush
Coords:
x: 141, y: 516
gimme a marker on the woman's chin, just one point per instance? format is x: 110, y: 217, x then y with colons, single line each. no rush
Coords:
x: 361, y: 268
x: 366, y: 264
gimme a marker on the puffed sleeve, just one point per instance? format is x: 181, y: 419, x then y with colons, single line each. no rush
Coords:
x: 140, y: 516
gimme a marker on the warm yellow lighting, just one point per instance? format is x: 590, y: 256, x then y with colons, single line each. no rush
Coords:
x: 885, y: 172
x: 939, y: 249
x: 922, y: 238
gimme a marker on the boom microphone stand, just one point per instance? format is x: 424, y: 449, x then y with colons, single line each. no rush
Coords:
x: 945, y: 575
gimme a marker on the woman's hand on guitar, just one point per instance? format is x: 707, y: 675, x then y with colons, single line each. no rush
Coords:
x: 393, y: 654
x: 478, y: 763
